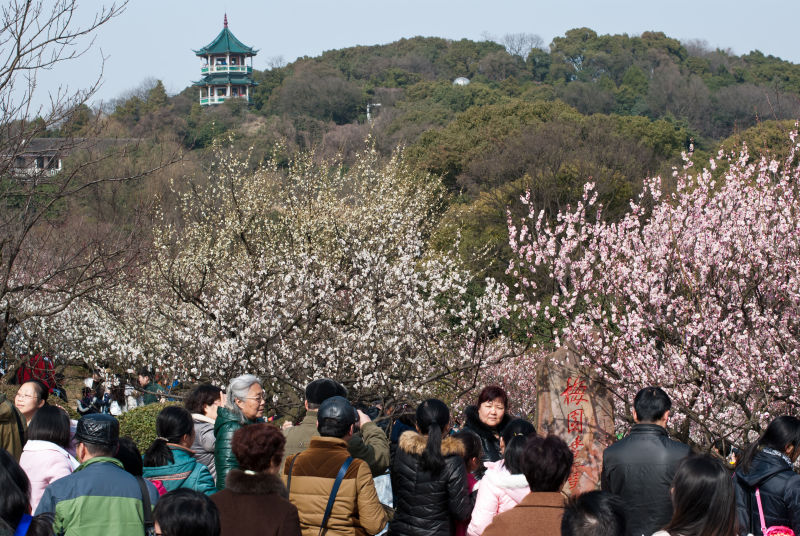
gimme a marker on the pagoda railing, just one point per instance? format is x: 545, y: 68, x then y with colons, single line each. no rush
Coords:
x: 221, y: 98
x: 226, y: 69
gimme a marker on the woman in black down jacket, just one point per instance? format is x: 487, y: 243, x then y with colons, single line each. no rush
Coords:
x: 488, y: 419
x: 429, y: 478
x: 767, y: 466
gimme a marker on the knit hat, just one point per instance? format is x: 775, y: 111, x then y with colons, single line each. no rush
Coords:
x: 320, y: 390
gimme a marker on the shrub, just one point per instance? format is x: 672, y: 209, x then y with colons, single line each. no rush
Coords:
x: 140, y: 423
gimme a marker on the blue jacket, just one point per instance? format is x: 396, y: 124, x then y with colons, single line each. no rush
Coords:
x: 184, y: 472
x: 98, y: 499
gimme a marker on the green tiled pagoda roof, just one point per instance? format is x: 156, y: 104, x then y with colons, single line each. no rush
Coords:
x: 226, y: 42
x: 223, y: 79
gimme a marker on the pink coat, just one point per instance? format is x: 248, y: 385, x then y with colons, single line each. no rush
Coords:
x: 44, y: 462
x: 498, y: 491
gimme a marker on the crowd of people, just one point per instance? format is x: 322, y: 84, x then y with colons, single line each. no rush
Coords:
x: 216, y: 467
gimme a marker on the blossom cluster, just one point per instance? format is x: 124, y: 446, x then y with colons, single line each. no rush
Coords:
x: 292, y: 274
x: 696, y: 290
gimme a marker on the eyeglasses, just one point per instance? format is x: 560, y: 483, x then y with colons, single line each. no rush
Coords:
x: 262, y: 397
x: 26, y: 395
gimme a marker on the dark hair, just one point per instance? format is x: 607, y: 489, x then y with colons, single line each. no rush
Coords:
x: 172, y: 424
x: 781, y: 432
x: 202, y: 396
x: 258, y: 446
x: 128, y: 453
x: 99, y: 450
x: 432, y: 418
x: 328, y: 427
x: 16, y: 489
x: 514, y: 437
x: 651, y: 403
x: 50, y: 423
x: 42, y: 390
x: 595, y: 513
x: 185, y: 512
x: 493, y: 392
x: 472, y: 444
x: 723, y: 446
x: 703, y: 499
x: 15, y: 498
x: 146, y: 372
x: 546, y: 462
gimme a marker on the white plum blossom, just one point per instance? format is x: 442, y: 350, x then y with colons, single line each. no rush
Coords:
x: 293, y: 274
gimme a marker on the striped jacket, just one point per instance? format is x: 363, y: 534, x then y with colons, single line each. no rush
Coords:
x: 98, y: 499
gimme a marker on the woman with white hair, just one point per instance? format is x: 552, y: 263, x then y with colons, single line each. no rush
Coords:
x: 245, y: 405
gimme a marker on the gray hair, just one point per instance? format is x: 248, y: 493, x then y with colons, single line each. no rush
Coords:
x: 238, y: 389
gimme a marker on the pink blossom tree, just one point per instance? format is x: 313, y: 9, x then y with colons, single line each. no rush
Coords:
x: 697, y: 291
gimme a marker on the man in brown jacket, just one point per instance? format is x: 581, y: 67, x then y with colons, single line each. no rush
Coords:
x: 12, y: 427
x: 310, y: 476
x: 369, y: 443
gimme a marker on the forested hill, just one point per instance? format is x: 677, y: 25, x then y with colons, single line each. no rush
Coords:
x: 710, y: 93
x: 615, y: 108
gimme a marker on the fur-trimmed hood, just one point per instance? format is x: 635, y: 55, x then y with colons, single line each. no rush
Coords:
x: 414, y: 443
x: 239, y: 481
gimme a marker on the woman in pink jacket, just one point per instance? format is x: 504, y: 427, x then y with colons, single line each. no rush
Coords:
x: 45, y: 457
x: 504, y: 485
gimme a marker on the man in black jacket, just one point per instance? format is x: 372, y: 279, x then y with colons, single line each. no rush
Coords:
x: 640, y: 467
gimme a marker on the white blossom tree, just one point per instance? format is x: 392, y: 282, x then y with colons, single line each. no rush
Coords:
x: 293, y: 274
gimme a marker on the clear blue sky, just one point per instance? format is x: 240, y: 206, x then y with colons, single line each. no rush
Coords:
x: 154, y: 39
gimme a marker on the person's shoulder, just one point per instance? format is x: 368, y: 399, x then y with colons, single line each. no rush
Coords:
x: 678, y: 447
x: 299, y: 432
x: 616, y: 447
x: 411, y: 442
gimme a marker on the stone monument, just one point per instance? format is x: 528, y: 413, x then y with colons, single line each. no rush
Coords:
x: 577, y: 408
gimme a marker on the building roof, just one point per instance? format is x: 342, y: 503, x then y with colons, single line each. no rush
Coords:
x: 225, y: 79
x: 226, y: 42
x: 52, y: 146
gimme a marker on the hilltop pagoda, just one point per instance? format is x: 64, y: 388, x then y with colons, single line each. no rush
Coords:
x: 226, y: 74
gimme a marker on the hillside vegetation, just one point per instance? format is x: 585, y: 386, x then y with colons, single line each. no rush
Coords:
x: 613, y: 108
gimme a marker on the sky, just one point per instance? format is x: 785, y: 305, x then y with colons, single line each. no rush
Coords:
x: 155, y: 39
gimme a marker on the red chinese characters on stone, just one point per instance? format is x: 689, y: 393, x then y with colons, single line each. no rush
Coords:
x: 575, y: 391
x: 575, y: 421
x: 574, y: 395
x: 574, y: 476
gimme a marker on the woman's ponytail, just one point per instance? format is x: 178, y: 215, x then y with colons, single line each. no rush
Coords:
x: 433, y: 417
x: 172, y: 424
x: 514, y: 437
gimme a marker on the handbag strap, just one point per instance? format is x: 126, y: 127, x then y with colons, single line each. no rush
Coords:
x: 334, y: 490
x: 147, y: 510
x: 24, y: 523
x: 289, y: 476
x: 761, y: 512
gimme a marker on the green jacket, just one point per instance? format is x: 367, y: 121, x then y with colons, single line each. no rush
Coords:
x: 98, y: 499
x: 151, y: 395
x: 224, y: 427
x: 183, y: 472
x: 370, y: 444
x: 11, y: 420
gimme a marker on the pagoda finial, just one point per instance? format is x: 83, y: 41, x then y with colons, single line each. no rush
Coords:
x: 226, y: 20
